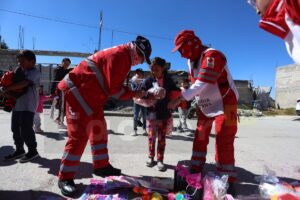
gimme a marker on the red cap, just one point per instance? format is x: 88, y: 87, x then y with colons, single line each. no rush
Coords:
x: 182, y: 37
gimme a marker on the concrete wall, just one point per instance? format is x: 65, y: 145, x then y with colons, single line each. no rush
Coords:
x: 8, y: 56
x: 245, y: 92
x: 287, y: 85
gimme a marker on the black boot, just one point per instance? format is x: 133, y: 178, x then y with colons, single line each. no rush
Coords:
x: 67, y: 187
x: 15, y: 155
x: 107, y: 171
x: 231, y: 190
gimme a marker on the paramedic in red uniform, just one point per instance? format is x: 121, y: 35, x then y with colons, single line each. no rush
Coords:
x: 217, y: 96
x: 281, y: 18
x: 86, y: 88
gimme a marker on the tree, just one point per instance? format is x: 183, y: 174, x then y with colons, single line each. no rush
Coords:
x: 3, y: 44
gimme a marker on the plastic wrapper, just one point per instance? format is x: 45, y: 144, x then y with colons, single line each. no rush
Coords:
x: 271, y: 187
x: 155, y: 93
x: 285, y: 197
x: 269, y: 191
x: 96, y: 191
x: 208, y: 193
x: 269, y: 176
x: 215, y: 187
x: 145, y: 102
x: 115, y: 182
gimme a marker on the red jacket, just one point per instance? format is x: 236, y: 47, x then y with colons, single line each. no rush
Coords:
x: 7, y: 79
x: 212, y: 70
x: 282, y: 19
x: 97, y: 78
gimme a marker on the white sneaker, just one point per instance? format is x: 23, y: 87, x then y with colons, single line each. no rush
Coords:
x: 62, y: 128
x: 150, y: 162
x: 57, y: 121
x: 161, y: 166
x: 134, y: 133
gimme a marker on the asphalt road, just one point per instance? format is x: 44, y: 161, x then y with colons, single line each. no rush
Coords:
x: 267, y: 141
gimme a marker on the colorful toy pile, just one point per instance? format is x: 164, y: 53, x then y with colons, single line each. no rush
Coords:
x: 187, y: 186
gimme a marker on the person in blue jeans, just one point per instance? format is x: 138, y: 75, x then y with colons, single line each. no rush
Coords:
x: 136, y: 84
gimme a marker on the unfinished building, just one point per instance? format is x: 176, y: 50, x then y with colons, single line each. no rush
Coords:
x: 287, y: 86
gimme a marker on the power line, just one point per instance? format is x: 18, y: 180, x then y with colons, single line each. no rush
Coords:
x: 84, y: 25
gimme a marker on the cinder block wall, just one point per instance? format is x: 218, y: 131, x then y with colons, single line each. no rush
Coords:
x: 7, y: 59
x: 287, y: 86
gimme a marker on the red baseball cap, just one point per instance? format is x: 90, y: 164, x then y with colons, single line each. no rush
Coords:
x: 182, y: 37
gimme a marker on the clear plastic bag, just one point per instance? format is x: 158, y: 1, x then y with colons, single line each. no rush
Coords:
x: 268, y: 176
x: 155, y: 93
x: 215, y: 187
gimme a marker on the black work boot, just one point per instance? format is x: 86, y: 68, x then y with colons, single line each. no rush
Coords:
x: 29, y: 156
x: 67, y: 187
x: 107, y: 171
x: 15, y: 155
x: 231, y: 189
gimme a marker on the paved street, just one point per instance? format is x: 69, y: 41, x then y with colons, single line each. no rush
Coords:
x: 266, y: 141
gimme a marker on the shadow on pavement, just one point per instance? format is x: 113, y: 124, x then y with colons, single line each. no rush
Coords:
x: 29, y: 194
x: 53, y: 135
x: 296, y: 119
x: 4, y: 151
x: 114, y: 133
x: 85, y: 169
x: 180, y: 137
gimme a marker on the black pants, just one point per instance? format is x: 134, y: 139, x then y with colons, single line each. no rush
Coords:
x: 21, y: 126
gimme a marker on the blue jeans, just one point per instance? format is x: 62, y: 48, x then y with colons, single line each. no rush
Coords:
x: 136, y: 111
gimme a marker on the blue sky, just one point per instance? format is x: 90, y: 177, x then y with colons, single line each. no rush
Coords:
x: 230, y: 26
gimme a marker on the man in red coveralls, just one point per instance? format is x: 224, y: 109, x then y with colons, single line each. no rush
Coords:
x: 214, y: 89
x: 281, y: 18
x: 87, y: 88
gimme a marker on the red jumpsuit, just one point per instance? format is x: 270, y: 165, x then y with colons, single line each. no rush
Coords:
x: 87, y: 88
x: 282, y: 18
x: 212, y: 70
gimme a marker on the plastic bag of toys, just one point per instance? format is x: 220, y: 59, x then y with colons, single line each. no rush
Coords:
x: 215, y: 187
x: 271, y: 187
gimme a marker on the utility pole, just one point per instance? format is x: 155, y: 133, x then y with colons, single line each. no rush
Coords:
x: 33, y: 43
x: 112, y: 38
x: 100, y: 30
x: 21, y: 38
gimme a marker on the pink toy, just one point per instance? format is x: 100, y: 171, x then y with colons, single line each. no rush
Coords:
x: 194, y: 180
x: 208, y: 193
